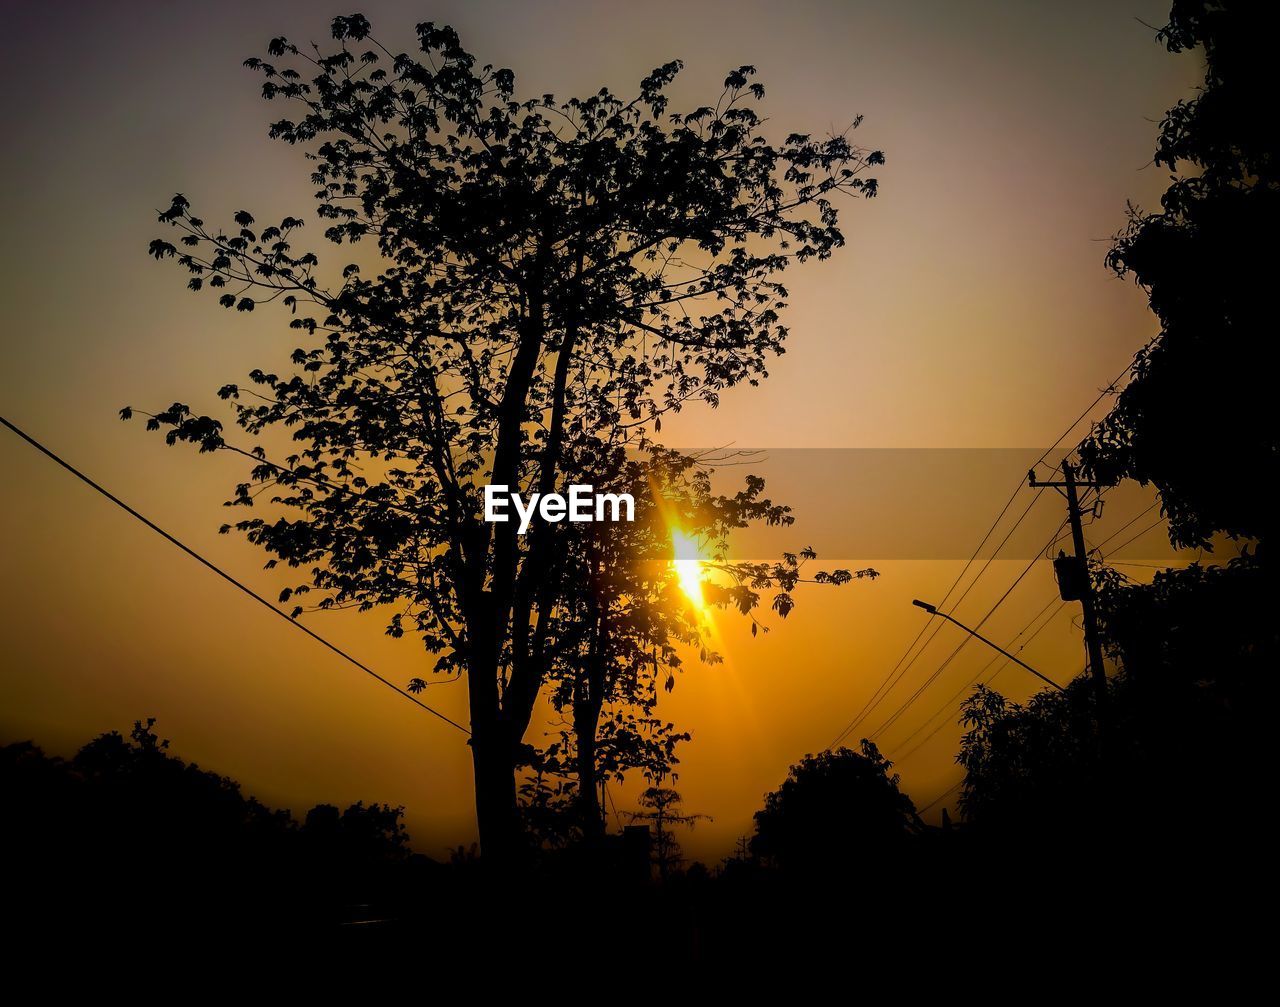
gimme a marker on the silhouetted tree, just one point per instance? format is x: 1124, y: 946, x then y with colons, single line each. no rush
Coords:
x: 553, y: 276
x: 1197, y: 420
x: 1196, y: 646
x: 633, y: 619
x: 374, y: 832
x: 1213, y: 625
x: 1027, y: 764
x: 146, y: 795
x: 660, y: 807
x: 126, y: 823
x: 833, y: 809
x: 1198, y: 649
x: 1188, y: 724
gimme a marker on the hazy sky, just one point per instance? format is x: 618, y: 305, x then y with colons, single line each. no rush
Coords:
x: 971, y: 309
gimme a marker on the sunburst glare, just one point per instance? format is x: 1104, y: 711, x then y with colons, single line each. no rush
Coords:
x: 688, y: 566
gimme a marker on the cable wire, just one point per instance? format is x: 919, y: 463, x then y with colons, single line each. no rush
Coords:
x: 893, y: 680
x: 1128, y: 524
x: 961, y: 646
x: 226, y: 576
x: 981, y: 671
x: 942, y: 797
x: 968, y: 685
x: 1134, y: 538
x: 893, y: 676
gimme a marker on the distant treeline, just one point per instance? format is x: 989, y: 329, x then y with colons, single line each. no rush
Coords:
x: 128, y: 829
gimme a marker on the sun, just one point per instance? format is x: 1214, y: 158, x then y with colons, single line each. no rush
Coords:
x: 687, y: 566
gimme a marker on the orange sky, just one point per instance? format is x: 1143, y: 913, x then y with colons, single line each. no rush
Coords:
x: 971, y: 309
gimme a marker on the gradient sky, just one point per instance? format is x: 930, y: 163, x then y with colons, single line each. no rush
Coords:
x: 971, y: 309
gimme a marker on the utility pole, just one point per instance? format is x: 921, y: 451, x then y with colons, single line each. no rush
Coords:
x: 1074, y: 583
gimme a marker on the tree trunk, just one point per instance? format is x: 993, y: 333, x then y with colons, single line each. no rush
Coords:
x: 588, y: 701
x: 585, y: 723
x: 497, y: 814
x: 493, y: 751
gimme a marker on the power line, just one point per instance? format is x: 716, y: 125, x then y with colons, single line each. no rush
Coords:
x: 1108, y: 390
x: 893, y: 676
x: 226, y: 576
x: 889, y: 681
x: 963, y: 643
x: 981, y: 671
x: 950, y: 702
x: 892, y: 680
x: 886, y: 684
x: 1129, y: 541
x: 942, y: 797
x: 1128, y: 524
x: 1134, y: 538
x: 617, y: 817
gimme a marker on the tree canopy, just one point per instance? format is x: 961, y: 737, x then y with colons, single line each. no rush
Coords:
x: 833, y: 809
x: 550, y: 278
x: 1195, y: 419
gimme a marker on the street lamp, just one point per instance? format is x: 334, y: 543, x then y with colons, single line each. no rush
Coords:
x: 933, y: 610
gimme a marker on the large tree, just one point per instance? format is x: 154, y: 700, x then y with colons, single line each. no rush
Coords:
x: 1195, y: 647
x: 835, y: 810
x: 632, y: 617
x: 1197, y: 419
x: 551, y: 276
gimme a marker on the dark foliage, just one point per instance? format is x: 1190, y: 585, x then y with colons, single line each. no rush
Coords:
x: 126, y: 824
x: 1198, y: 419
x: 1180, y: 754
x: 835, y: 810
x: 550, y: 276
x: 1186, y: 728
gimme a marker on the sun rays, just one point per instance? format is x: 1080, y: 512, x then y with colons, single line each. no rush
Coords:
x: 688, y: 567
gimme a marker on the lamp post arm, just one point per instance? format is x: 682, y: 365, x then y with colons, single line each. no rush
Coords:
x: 994, y: 646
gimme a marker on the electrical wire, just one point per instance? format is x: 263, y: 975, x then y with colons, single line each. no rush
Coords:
x: 968, y: 685
x: 228, y: 577
x: 1128, y: 524
x: 941, y: 797
x: 894, y: 675
x: 1134, y: 538
x: 981, y: 671
x: 876, y: 700
x: 963, y: 643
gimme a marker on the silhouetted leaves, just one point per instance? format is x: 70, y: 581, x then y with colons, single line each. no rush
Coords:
x: 554, y: 276
x: 126, y: 824
x: 835, y: 812
x: 1196, y: 420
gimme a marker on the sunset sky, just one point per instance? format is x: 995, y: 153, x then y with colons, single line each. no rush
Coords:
x: 971, y: 309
